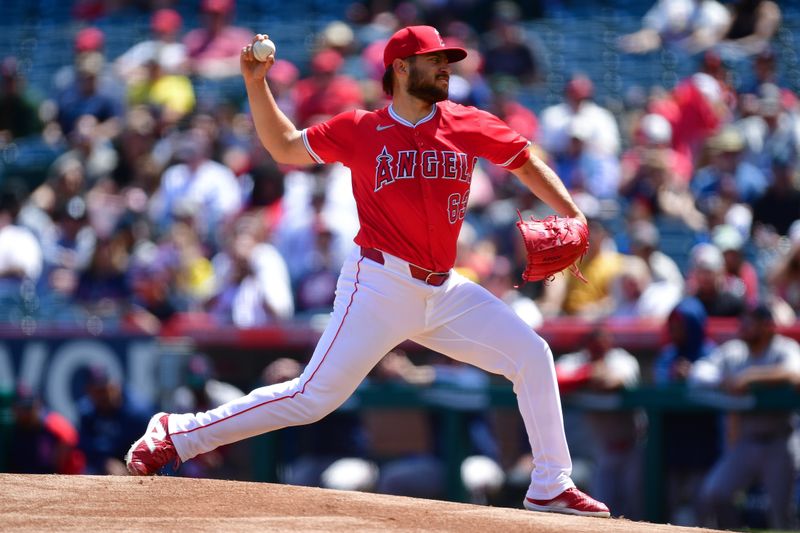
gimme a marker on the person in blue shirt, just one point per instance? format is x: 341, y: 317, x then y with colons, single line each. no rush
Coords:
x: 109, y: 418
x: 692, y: 441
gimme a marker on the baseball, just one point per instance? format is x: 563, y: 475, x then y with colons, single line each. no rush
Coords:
x: 263, y: 49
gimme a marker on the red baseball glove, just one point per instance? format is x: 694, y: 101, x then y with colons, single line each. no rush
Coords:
x: 553, y: 244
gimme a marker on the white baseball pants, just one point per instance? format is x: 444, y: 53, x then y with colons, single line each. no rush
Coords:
x: 376, y: 308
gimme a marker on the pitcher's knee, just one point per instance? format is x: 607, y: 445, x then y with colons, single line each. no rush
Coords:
x: 534, y: 355
x: 315, y: 408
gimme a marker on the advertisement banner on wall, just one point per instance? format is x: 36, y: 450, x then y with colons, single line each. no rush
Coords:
x: 56, y: 368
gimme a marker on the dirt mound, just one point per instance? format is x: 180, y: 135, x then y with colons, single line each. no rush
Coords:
x: 93, y: 503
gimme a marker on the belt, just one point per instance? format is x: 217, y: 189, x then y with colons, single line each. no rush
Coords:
x: 427, y: 276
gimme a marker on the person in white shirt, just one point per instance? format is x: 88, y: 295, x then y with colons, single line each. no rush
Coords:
x: 690, y: 26
x: 601, y: 130
x: 254, y: 288
x: 171, y: 53
x: 198, y: 186
x: 21, y: 254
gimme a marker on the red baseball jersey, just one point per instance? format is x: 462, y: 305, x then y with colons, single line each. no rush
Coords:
x: 411, y: 182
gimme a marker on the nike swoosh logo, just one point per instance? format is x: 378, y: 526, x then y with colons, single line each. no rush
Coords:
x: 384, y: 127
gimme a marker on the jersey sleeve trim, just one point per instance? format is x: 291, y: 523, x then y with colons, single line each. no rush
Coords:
x: 513, y: 157
x: 310, y: 151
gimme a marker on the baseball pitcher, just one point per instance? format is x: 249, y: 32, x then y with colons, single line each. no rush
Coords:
x: 412, y: 164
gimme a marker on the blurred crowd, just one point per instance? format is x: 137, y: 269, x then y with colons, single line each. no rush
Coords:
x: 157, y: 202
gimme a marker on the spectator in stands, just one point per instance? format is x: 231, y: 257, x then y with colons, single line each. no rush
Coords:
x: 86, y: 97
x: 183, y: 255
x: 421, y: 473
x: 89, y: 41
x: 727, y: 179
x: 326, y: 92
x: 103, y: 289
x: 165, y: 25
x: 171, y: 93
x: 66, y: 179
x: 19, y: 112
x: 196, y: 184
x: 315, y: 288
x: 764, y: 70
x: 506, y: 106
x: 41, y: 441
x: 706, y: 281
x: 154, y: 297
x: 689, y: 26
x: 635, y: 295
x: 320, y: 193
x: 68, y: 247
x: 695, y: 108
x: 752, y: 26
x: 758, y: 357
x: 653, y: 133
x: 264, y: 198
x: 770, y: 133
x: 783, y: 279
x: 582, y: 169
x: 109, y: 417
x: 616, y: 435
x: 339, y: 36
x: 644, y: 243
x: 331, y: 453
x: 20, y: 251
x: 135, y: 145
x: 691, y: 440
x: 511, y: 52
x: 653, y: 188
x: 253, y: 279
x: 88, y: 146
x: 214, y: 49
x: 602, y: 135
x: 711, y: 63
x: 779, y: 207
x: 741, y: 277
x: 688, y: 341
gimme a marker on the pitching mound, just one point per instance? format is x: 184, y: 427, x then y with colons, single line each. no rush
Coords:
x: 93, y: 503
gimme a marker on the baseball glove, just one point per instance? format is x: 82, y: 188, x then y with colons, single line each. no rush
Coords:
x: 553, y: 244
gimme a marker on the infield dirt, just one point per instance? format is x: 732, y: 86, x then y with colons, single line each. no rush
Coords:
x: 93, y: 503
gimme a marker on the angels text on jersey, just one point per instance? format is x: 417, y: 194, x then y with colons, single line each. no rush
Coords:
x: 433, y: 164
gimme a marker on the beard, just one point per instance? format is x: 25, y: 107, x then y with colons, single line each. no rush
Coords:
x: 425, y: 90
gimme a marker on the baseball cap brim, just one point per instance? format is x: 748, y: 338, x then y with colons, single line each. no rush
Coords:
x: 454, y: 53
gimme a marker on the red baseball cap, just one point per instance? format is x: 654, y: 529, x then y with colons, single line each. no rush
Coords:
x: 89, y: 39
x: 327, y: 61
x: 166, y: 21
x: 217, y: 6
x: 416, y: 40
x: 580, y: 87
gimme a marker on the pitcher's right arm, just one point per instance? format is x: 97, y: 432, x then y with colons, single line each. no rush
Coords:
x: 275, y: 131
